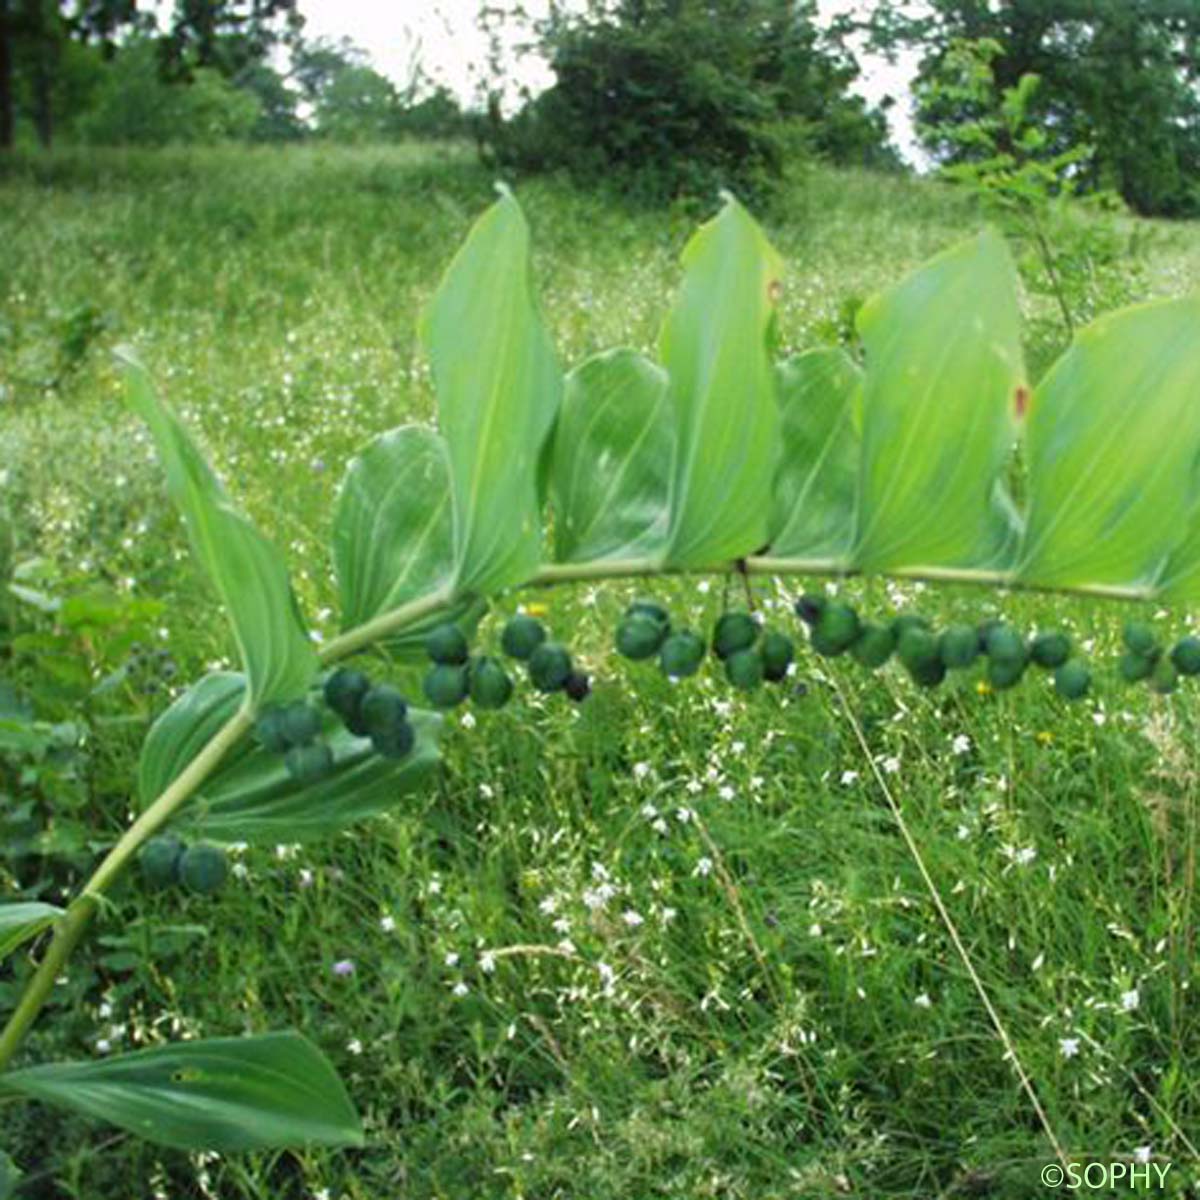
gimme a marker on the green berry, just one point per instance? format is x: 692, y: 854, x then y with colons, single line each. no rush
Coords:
x: 639, y: 636
x: 647, y: 608
x: 578, y: 686
x: 159, y: 861
x: 550, y: 667
x: 810, y: 606
x: 521, y: 637
x: 917, y: 649
x: 446, y: 685
x: 1050, y: 650
x: 874, y: 646
x: 307, y: 764
x: 344, y: 691
x: 681, y: 654
x: 1004, y: 673
x: 959, y: 646
x: 203, y: 868
x: 395, y: 742
x: 301, y: 723
x: 905, y: 621
x: 1072, y: 680
x: 447, y: 644
x: 1139, y: 638
x: 928, y: 673
x: 744, y: 669
x: 1165, y: 678
x: 734, y: 631
x: 1005, y: 645
x: 269, y: 730
x: 1135, y: 667
x: 1186, y: 656
x: 491, y: 686
x: 836, y: 630
x: 777, y: 653
x: 382, y: 708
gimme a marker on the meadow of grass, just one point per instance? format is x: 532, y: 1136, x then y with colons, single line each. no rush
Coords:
x: 666, y: 944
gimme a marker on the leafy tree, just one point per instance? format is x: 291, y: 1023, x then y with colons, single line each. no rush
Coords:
x: 1120, y: 75
x: 278, y: 118
x: 222, y: 35
x: 671, y: 96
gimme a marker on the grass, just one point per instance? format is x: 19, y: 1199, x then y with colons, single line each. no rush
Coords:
x: 668, y: 944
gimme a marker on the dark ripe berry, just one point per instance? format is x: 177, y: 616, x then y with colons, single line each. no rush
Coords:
x: 905, y: 621
x: 269, y: 730
x: 1186, y: 656
x: 522, y: 636
x: 344, y: 691
x: 734, y: 631
x: 1050, y: 650
x: 744, y: 669
x: 203, y: 868
x: 681, y: 654
x: 1004, y: 673
x: 874, y: 646
x: 446, y: 685
x: 1165, y: 678
x: 959, y: 646
x: 810, y: 606
x: 447, y: 644
x: 1072, y: 680
x: 307, y: 764
x: 578, y: 686
x: 647, y: 608
x: 836, y: 630
x: 777, y: 652
x: 159, y: 861
x: 382, y: 707
x: 1139, y: 639
x: 640, y: 636
x: 550, y: 667
x: 395, y: 742
x: 918, y: 649
x: 1135, y: 667
x: 1005, y: 645
x: 301, y: 723
x: 491, y: 686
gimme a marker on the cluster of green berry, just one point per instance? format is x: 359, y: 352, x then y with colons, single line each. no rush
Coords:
x: 1144, y: 658
x: 749, y: 653
x: 372, y: 710
x: 927, y: 654
x: 294, y: 730
x: 167, y: 862
x: 457, y: 674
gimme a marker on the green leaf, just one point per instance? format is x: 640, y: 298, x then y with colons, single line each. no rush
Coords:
x: 393, y: 528
x: 817, y: 481
x: 498, y: 389
x: 273, y: 1091
x: 612, y: 460
x: 21, y: 921
x: 940, y: 406
x: 251, y: 797
x: 247, y: 570
x: 9, y: 1177
x: 1114, y: 431
x: 714, y: 345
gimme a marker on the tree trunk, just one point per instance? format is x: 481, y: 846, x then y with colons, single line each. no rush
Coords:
x: 6, y: 75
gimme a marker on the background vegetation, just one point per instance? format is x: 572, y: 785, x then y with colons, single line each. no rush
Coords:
x: 668, y: 943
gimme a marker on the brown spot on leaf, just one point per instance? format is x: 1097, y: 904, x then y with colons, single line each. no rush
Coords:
x: 774, y: 291
x: 1021, y: 402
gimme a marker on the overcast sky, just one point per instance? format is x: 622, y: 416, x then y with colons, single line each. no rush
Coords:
x: 444, y: 34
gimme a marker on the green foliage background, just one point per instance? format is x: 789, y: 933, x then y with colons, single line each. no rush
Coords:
x: 275, y: 298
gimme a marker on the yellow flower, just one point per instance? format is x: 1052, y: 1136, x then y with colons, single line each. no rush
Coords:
x: 537, y: 610
x: 983, y: 688
x: 1045, y: 737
